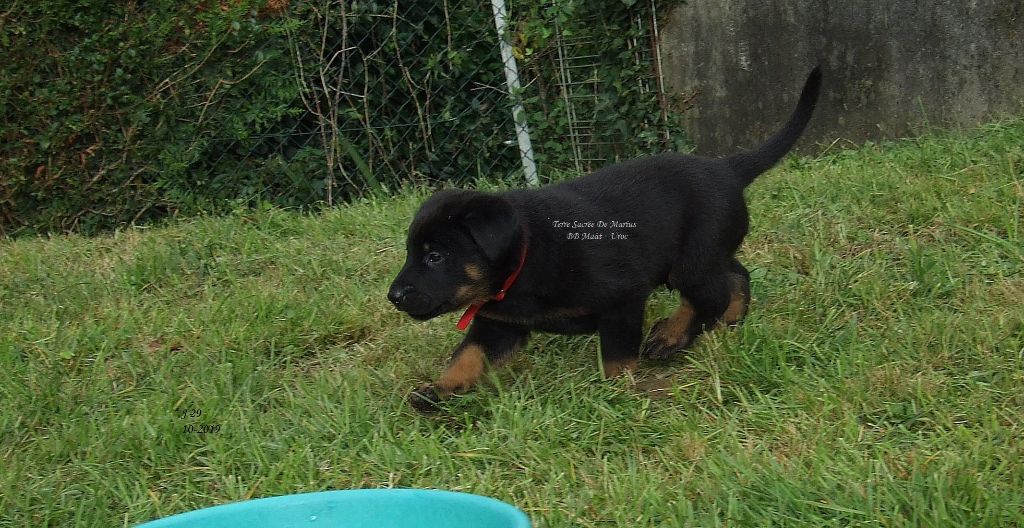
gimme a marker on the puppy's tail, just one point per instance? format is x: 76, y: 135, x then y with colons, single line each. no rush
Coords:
x: 748, y: 165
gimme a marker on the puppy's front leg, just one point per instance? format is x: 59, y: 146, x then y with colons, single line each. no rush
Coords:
x: 621, y: 334
x: 488, y: 343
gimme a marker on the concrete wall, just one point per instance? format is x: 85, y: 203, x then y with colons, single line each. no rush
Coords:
x: 891, y: 67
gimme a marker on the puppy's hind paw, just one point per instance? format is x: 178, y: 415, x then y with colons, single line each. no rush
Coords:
x: 663, y: 343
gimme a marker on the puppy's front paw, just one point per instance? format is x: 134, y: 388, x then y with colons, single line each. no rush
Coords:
x: 425, y: 399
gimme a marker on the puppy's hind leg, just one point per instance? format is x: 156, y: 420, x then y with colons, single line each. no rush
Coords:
x: 672, y: 334
x: 711, y: 299
x: 739, y: 294
x: 705, y: 300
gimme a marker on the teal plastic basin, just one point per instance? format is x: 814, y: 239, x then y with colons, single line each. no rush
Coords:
x: 368, y: 508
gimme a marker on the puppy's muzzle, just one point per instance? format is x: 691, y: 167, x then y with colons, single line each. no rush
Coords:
x: 398, y: 293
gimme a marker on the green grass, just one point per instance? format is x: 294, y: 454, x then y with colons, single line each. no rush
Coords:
x: 877, y: 380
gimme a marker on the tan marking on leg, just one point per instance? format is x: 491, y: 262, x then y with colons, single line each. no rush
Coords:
x: 737, y: 301
x: 473, y: 272
x: 676, y: 326
x: 671, y: 334
x: 614, y: 367
x: 737, y: 308
x: 463, y: 371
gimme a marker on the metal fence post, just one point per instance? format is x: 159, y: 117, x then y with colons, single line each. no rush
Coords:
x: 512, y: 81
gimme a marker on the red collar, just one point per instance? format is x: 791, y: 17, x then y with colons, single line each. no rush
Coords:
x: 475, y: 307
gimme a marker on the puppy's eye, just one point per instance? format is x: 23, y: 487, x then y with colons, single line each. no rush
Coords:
x: 433, y: 257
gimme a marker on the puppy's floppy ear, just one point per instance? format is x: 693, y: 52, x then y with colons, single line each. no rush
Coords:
x: 493, y: 224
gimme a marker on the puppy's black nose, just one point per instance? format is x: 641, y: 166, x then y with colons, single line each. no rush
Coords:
x: 397, y: 293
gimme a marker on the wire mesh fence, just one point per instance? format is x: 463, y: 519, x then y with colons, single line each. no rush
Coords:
x: 158, y: 108
x: 582, y: 88
x: 388, y: 92
x: 393, y: 92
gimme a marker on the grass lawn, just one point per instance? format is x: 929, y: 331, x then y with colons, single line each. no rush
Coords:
x: 878, y: 380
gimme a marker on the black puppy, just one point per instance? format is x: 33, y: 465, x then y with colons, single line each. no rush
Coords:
x: 583, y: 256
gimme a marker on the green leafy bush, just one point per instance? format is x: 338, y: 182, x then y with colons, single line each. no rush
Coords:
x: 125, y: 112
x: 108, y: 106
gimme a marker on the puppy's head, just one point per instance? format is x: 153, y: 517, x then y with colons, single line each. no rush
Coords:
x: 457, y: 253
